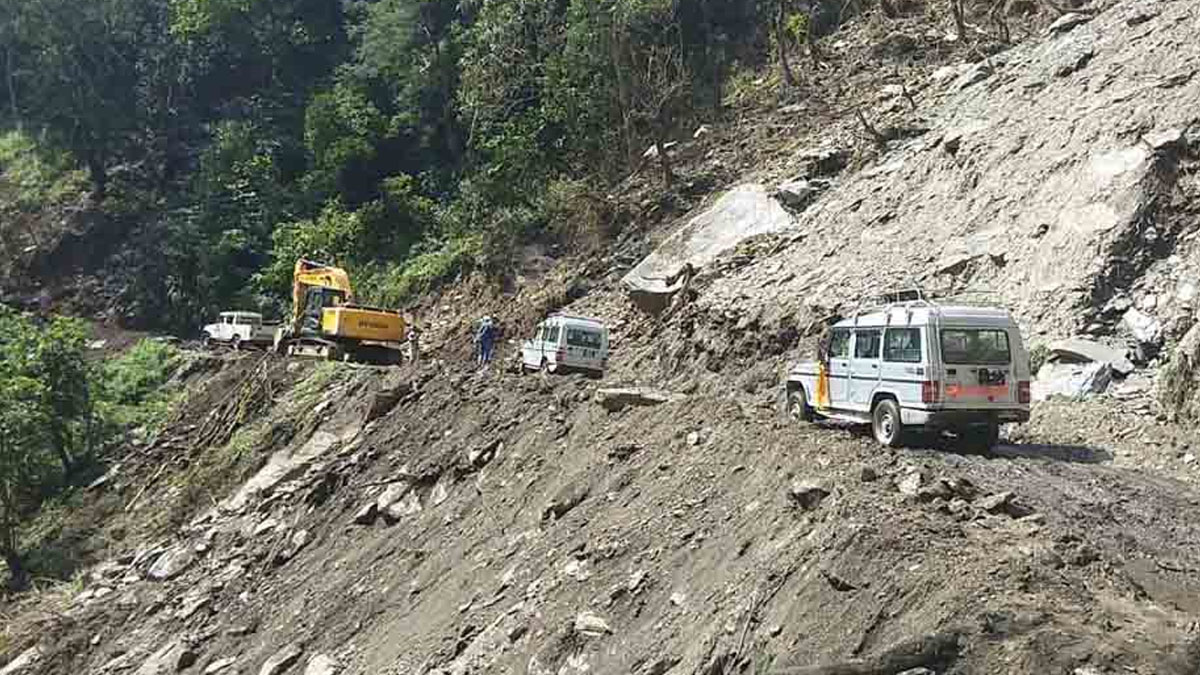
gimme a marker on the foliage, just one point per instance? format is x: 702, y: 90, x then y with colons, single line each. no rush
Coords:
x: 45, y: 418
x: 404, y: 139
x: 33, y: 177
x: 56, y: 407
x: 134, y: 391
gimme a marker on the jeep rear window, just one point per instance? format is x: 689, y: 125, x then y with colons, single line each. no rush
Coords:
x: 986, y: 346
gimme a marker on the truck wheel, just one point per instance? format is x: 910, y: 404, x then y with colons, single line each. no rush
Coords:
x: 206, y: 341
x: 236, y: 342
x: 797, y: 404
x: 886, y: 423
x: 548, y: 367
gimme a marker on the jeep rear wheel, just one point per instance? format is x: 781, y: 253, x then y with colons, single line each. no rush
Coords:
x: 886, y: 423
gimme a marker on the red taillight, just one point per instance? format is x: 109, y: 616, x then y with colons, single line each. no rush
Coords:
x: 1023, y: 396
x: 561, y: 355
x: 930, y: 392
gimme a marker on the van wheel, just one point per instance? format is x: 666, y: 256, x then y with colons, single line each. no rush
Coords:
x: 797, y: 404
x: 237, y: 342
x: 548, y: 367
x: 206, y: 341
x: 886, y: 423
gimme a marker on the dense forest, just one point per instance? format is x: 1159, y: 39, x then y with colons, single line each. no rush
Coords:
x: 404, y: 139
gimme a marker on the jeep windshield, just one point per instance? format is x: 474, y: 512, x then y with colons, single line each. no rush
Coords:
x: 975, y: 346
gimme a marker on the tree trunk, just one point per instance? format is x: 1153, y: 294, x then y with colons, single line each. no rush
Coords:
x: 811, y: 38
x: 664, y: 163
x: 10, y: 69
x: 18, y: 576
x: 624, y: 97
x: 663, y: 119
x: 98, y: 174
x: 960, y: 22
x: 59, y: 435
x: 781, y: 44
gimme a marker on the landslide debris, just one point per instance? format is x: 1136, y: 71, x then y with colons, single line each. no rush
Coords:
x: 528, y: 528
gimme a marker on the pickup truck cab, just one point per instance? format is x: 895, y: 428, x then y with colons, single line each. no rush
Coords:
x: 567, y: 343
x: 239, y: 329
x: 917, y: 364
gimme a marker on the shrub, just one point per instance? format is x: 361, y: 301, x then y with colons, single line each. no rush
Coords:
x: 134, y: 390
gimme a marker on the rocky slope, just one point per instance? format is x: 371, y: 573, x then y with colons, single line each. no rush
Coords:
x: 448, y: 521
x: 1059, y: 175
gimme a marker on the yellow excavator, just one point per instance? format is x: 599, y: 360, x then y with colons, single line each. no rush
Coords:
x: 327, y: 324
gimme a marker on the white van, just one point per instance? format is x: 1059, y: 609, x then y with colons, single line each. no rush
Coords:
x: 567, y: 343
x: 918, y: 364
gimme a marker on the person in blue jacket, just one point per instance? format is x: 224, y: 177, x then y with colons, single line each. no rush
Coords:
x: 485, y: 340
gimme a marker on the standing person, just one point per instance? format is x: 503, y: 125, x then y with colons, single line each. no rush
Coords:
x: 682, y: 295
x: 487, y: 339
x: 414, y: 345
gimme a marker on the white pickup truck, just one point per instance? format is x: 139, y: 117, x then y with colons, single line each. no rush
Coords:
x: 239, y: 329
x: 918, y: 365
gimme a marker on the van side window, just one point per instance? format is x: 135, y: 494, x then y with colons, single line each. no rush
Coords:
x: 541, y: 333
x: 902, y: 345
x: 866, y: 344
x: 552, y: 335
x: 839, y: 344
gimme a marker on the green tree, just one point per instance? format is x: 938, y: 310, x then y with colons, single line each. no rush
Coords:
x: 74, y: 72
x: 65, y: 377
x: 24, y: 463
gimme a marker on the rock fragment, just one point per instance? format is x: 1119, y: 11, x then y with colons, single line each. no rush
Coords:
x: 615, y: 400
x: 1003, y: 503
x: 321, y: 664
x: 1067, y: 22
x: 171, y: 658
x: 808, y: 495
x: 281, y: 660
x: 172, y: 563
x: 590, y: 624
x: 219, y: 666
x: 366, y: 515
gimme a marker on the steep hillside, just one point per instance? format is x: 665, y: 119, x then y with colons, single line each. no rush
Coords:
x: 447, y: 521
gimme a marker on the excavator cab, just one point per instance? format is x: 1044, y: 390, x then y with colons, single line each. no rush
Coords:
x: 317, y: 299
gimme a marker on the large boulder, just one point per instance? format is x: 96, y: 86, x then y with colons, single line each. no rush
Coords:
x: 1071, y: 380
x: 743, y: 212
x: 1083, y: 350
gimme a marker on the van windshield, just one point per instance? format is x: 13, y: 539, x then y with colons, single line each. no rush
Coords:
x: 578, y: 337
x: 966, y: 346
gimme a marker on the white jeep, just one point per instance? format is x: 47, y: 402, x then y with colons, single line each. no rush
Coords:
x: 918, y: 364
x: 238, y: 329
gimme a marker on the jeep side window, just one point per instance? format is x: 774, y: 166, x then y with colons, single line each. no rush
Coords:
x: 902, y: 345
x: 866, y: 344
x: 839, y: 344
